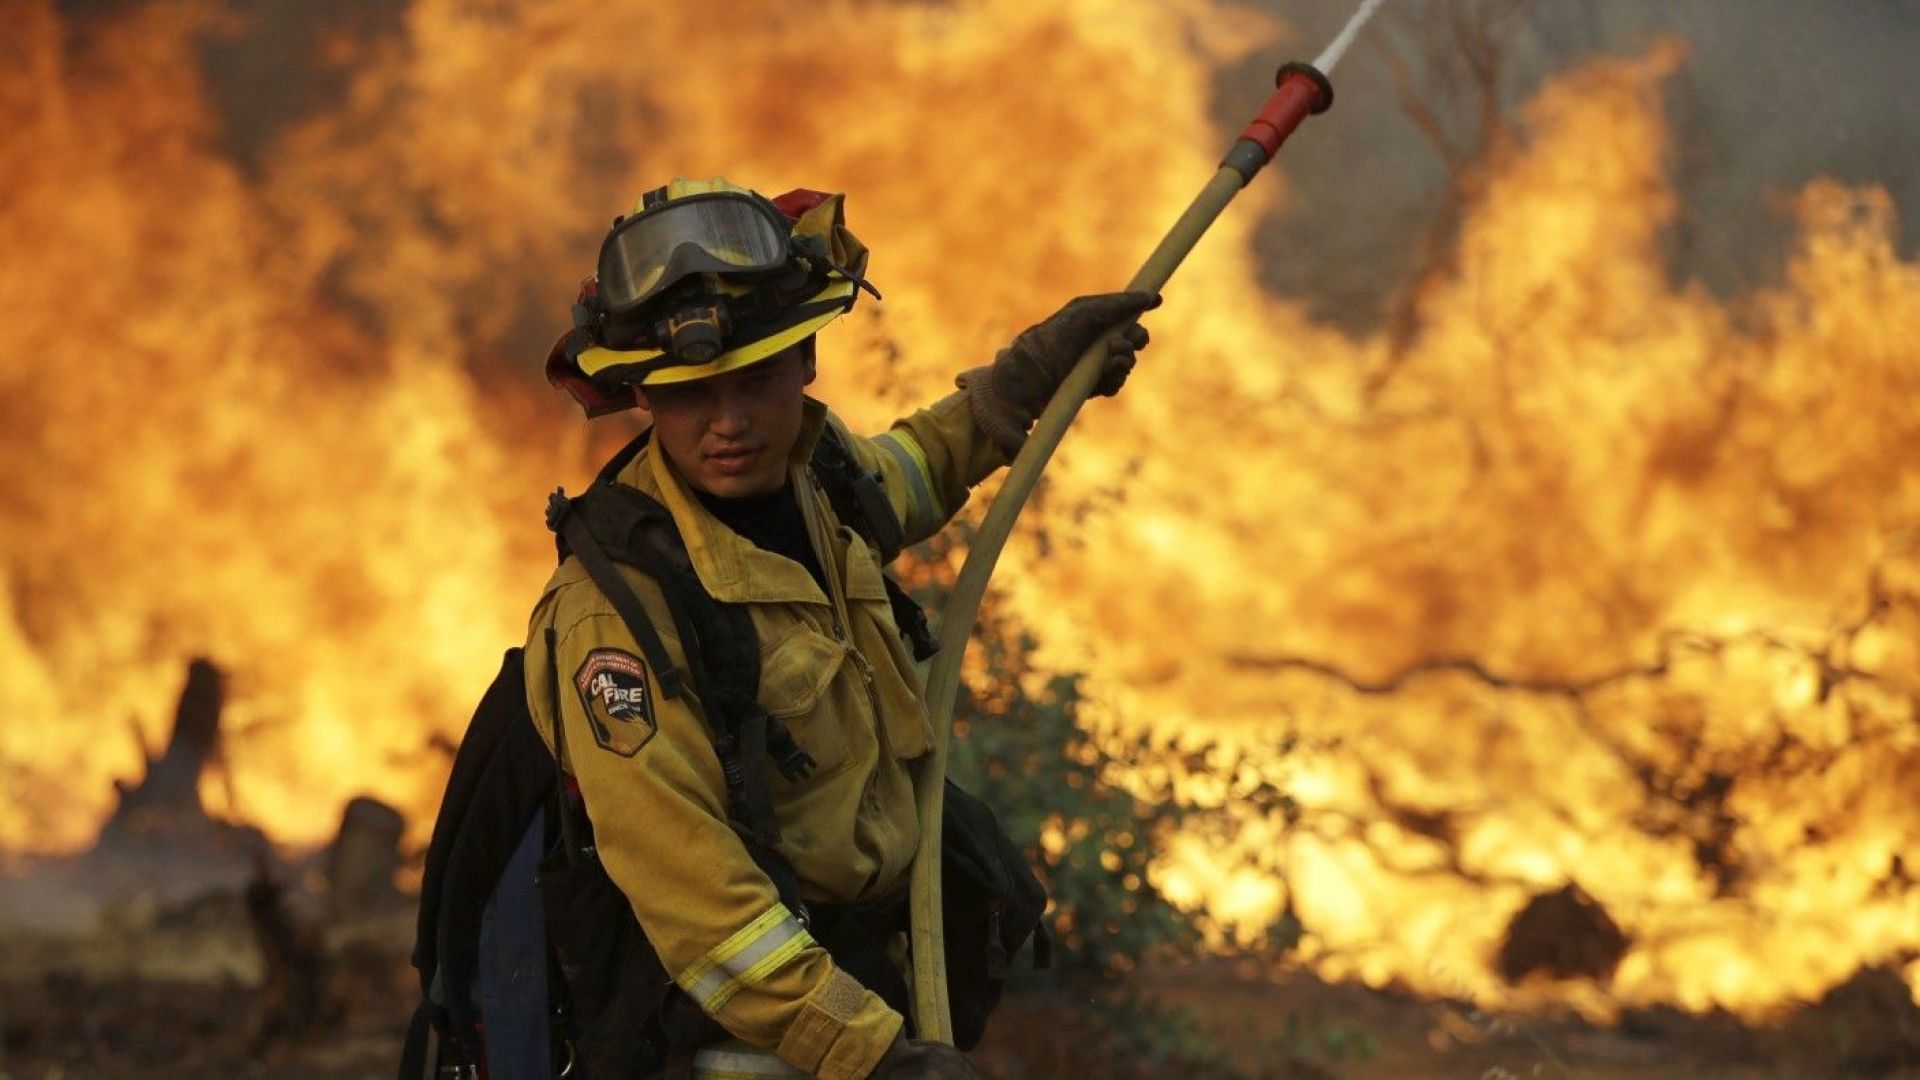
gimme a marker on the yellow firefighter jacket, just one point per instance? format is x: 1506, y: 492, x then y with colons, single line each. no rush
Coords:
x: 834, y: 669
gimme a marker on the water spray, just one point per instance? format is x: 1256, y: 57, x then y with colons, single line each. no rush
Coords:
x: 1301, y: 90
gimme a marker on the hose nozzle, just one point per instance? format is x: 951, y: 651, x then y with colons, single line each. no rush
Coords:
x: 1301, y: 90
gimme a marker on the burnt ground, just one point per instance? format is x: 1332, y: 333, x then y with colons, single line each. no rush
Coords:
x: 77, y: 1009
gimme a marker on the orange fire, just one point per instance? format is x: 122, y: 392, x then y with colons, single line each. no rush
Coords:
x: 1598, y: 580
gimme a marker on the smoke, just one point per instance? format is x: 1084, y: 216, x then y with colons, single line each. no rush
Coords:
x: 1773, y: 95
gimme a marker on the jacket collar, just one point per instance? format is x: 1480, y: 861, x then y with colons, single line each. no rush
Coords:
x: 730, y: 566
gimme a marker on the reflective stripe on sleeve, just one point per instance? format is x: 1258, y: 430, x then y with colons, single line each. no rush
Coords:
x: 923, y: 512
x: 738, y: 1061
x: 746, y: 958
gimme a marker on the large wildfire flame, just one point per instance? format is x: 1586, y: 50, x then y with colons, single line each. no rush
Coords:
x: 1598, y: 580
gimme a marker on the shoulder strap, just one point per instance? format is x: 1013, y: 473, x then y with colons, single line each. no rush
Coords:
x: 571, y: 833
x: 572, y: 529
x: 859, y: 498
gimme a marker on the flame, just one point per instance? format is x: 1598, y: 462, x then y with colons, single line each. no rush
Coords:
x: 1598, y: 580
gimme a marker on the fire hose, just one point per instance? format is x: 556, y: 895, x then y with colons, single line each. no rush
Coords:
x: 1301, y: 90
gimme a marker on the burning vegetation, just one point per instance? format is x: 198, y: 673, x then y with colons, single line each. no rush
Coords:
x: 1584, y: 606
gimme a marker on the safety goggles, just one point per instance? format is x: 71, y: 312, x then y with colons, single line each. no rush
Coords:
x: 718, y: 233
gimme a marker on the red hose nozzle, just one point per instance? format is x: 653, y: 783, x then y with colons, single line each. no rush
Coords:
x: 1301, y: 90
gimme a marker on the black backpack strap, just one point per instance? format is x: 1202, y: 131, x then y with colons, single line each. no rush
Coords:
x: 413, y: 1052
x: 859, y: 498
x: 563, y: 518
x: 572, y: 830
x: 736, y: 740
x: 911, y: 618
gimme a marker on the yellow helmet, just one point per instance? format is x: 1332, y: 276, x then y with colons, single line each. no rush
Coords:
x: 705, y: 277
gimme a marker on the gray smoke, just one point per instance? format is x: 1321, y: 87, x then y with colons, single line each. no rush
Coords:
x: 1773, y: 93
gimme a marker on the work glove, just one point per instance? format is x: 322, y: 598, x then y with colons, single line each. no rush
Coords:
x: 913, y: 1059
x: 1007, y: 395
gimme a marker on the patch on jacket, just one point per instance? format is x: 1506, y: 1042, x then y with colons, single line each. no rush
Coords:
x: 613, y: 687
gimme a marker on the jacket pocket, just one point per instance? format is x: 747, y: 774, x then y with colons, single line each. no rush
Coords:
x: 795, y: 673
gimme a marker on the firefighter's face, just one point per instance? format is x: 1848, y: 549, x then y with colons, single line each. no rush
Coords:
x: 731, y: 435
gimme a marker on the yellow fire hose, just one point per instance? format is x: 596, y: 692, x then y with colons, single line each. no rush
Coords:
x: 1302, y: 90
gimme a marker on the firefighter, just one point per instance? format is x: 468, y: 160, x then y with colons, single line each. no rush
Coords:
x: 703, y: 313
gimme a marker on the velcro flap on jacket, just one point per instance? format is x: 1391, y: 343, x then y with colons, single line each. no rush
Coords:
x: 814, y: 1040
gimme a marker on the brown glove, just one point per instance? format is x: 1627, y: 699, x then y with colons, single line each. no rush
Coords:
x: 1007, y: 395
x: 912, y: 1059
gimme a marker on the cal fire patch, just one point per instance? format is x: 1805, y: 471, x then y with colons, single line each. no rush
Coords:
x: 613, y: 687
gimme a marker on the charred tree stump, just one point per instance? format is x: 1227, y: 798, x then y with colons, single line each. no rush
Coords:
x: 160, y: 839
x: 364, y: 859
x: 170, y: 793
